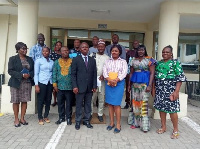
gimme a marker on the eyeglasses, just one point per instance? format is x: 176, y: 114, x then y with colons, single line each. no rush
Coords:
x: 24, y: 48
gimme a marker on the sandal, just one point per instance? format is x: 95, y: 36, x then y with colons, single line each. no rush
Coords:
x: 110, y: 127
x: 175, y: 135
x: 161, y: 131
x: 133, y: 127
x: 23, y: 123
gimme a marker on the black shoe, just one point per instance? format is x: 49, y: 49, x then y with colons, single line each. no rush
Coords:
x: 69, y: 121
x: 59, y: 121
x: 88, y: 125
x: 126, y: 106
x: 23, y: 123
x: 100, y: 118
x: 17, y: 125
x: 77, y: 126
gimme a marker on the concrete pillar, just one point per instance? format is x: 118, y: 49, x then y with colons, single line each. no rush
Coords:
x: 168, y: 27
x: 46, y: 31
x: 27, y: 22
x: 27, y: 33
x: 148, y: 42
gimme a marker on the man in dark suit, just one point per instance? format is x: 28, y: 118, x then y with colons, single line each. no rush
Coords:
x: 84, y: 83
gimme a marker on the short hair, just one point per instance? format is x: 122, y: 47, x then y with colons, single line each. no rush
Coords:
x: 170, y: 47
x: 95, y: 37
x: 84, y: 43
x: 46, y: 48
x: 58, y: 42
x: 77, y: 40
x: 141, y: 47
x: 19, y: 45
x: 40, y: 34
x: 115, y: 35
x: 64, y: 47
x: 118, y: 47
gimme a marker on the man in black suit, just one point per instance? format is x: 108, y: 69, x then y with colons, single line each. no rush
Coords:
x: 84, y: 83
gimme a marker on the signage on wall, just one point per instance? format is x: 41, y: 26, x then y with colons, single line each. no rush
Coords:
x: 102, y: 26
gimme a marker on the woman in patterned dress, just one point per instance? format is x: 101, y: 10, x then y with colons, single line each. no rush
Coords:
x: 21, y: 70
x: 169, y: 77
x: 142, y: 75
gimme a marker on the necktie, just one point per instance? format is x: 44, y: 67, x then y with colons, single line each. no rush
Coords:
x: 86, y: 62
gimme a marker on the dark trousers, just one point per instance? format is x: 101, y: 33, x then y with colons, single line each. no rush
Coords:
x: 127, y: 100
x: 64, y: 98
x: 87, y: 99
x: 44, y: 97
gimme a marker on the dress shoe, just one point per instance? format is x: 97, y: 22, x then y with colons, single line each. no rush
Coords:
x: 69, y: 121
x: 77, y: 126
x: 46, y: 120
x: 88, y: 125
x: 100, y: 118
x: 59, y: 121
x: 41, y: 122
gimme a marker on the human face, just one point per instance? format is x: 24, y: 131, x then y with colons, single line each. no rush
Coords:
x: 115, y: 39
x: 77, y: 44
x: 115, y: 53
x: 95, y: 41
x: 101, y: 48
x: 135, y: 44
x: 166, y: 54
x: 41, y: 40
x: 84, y: 48
x: 58, y: 46
x: 64, y: 52
x: 23, y: 51
x: 45, y: 52
x: 141, y: 52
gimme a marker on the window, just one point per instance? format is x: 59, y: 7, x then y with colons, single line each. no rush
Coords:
x: 68, y: 35
x: 190, y: 49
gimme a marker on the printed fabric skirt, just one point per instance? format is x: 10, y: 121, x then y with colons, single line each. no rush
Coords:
x: 21, y: 94
x: 114, y: 95
x: 164, y: 88
x: 140, y: 99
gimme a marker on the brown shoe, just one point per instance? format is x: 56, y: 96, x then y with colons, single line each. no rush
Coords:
x: 41, y: 122
x: 46, y: 120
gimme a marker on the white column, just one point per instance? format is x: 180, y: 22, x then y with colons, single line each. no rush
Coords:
x: 46, y: 31
x: 148, y: 42
x: 168, y: 27
x: 27, y: 22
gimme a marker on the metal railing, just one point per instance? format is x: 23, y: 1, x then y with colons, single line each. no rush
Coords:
x: 193, y: 89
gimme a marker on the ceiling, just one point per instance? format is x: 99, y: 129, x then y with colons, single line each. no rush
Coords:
x: 119, y: 10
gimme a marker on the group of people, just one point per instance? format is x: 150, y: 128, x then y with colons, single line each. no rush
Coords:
x: 81, y: 75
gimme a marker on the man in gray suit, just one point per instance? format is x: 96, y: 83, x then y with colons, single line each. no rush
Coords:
x: 84, y: 83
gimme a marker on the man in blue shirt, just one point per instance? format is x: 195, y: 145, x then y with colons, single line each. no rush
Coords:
x: 36, y: 50
x: 75, y: 51
x: 115, y: 40
x: 94, y: 49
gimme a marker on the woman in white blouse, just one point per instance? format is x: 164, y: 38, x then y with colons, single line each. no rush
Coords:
x: 114, y: 71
